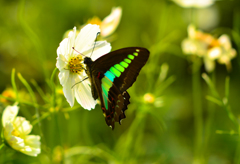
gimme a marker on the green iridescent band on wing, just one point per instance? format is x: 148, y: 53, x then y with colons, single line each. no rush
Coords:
x: 115, y: 71
x: 106, y: 85
x: 110, y: 75
x: 124, y: 64
x: 127, y: 60
x: 119, y: 67
x: 135, y: 54
x: 131, y: 57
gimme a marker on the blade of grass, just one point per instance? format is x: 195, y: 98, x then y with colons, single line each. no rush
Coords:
x: 29, y: 89
x: 227, y: 87
x: 210, y: 85
x: 40, y: 91
x: 14, y: 84
x: 214, y: 100
x: 52, y: 84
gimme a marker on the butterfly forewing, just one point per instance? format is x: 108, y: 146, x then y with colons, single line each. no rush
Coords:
x: 124, y: 64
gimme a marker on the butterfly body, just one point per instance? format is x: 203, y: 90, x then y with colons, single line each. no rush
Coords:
x: 111, y: 75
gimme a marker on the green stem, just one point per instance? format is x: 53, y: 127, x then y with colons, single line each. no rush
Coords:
x: 1, y: 146
x: 53, y: 88
x: 197, y: 111
x: 3, y: 153
x: 237, y: 156
x: 58, y: 130
x: 209, y: 120
x: 56, y: 113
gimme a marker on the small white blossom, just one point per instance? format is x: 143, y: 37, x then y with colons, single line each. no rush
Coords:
x: 71, y: 67
x: 194, y: 3
x: 16, y: 131
x: 209, y: 48
x: 107, y: 26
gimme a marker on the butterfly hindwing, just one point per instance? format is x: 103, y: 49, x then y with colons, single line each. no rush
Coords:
x: 113, y: 101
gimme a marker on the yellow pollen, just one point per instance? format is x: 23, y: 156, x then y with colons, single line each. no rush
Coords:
x: 149, y: 98
x: 75, y: 65
x: 95, y: 20
x: 15, y: 133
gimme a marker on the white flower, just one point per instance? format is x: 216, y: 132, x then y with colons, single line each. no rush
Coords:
x: 107, y: 26
x: 71, y: 67
x: 209, y: 48
x: 16, y: 132
x: 194, y: 3
x: 110, y: 23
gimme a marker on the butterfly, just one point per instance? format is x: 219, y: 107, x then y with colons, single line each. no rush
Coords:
x: 111, y: 75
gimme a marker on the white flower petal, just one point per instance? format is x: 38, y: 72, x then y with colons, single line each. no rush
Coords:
x: 63, y: 76
x: 71, y: 42
x: 194, y: 3
x: 32, y: 146
x: 22, y: 126
x: 86, y: 37
x: 84, y: 96
x: 62, y: 49
x: 17, y: 143
x: 214, y: 53
x: 9, y: 114
x: 192, y: 31
x: 101, y: 48
x: 209, y: 64
x: 7, y: 131
x: 61, y: 62
x: 110, y: 23
x: 68, y: 90
x: 30, y: 151
x: 33, y: 141
x: 224, y: 40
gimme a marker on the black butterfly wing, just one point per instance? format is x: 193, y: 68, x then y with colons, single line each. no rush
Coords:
x: 121, y: 56
x: 111, y: 75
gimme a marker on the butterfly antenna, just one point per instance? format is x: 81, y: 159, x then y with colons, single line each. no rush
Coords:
x: 79, y: 82
x: 78, y: 52
x: 94, y: 43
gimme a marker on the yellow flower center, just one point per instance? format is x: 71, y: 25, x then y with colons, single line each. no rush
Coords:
x: 75, y: 65
x: 149, y: 98
x: 95, y: 20
x: 15, y: 133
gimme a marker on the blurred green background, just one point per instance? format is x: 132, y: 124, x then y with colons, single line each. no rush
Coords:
x: 159, y: 132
